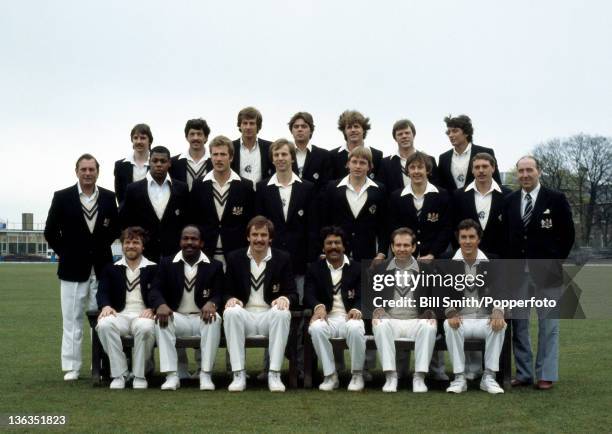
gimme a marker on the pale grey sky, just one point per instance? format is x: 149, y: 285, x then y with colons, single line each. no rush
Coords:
x: 75, y: 76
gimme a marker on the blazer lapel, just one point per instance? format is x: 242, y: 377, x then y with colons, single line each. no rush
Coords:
x: 171, y: 200
x: 230, y: 200
x: 278, y: 203
x: 179, y: 275
x: 295, y: 200
x: 539, y: 206
x: 145, y: 192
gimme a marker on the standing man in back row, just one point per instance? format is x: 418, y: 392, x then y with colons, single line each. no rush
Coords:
x: 136, y: 165
x: 81, y: 226
x: 193, y: 164
x: 354, y: 127
x: 251, y: 159
x: 454, y: 165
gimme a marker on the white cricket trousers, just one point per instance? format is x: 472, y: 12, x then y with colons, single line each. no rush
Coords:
x: 338, y: 327
x: 76, y: 297
x: 419, y: 331
x: 240, y: 323
x: 184, y: 325
x: 111, y: 328
x: 474, y: 328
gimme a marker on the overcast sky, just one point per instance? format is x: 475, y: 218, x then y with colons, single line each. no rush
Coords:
x: 75, y: 76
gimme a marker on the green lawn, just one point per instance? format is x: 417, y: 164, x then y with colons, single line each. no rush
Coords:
x: 32, y: 384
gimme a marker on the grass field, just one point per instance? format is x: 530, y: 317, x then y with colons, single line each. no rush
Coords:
x: 32, y: 383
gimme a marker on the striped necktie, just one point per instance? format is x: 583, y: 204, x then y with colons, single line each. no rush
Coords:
x: 528, y: 211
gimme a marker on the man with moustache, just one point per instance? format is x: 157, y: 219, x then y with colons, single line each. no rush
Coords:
x: 333, y: 292
x: 354, y: 127
x: 311, y: 163
x: 251, y: 160
x: 539, y: 227
x: 125, y: 309
x: 185, y: 295
x: 482, y: 200
x: 260, y: 288
x: 413, y: 323
x: 193, y: 164
x: 222, y: 203
x: 393, y: 173
x: 136, y: 165
x: 158, y: 204
x: 81, y: 226
x: 454, y: 165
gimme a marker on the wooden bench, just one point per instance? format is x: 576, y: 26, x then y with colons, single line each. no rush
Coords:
x: 505, y: 358
x: 100, y: 370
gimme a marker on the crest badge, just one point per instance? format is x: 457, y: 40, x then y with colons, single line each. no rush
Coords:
x: 301, y: 213
x: 237, y: 210
x: 315, y: 175
x: 546, y: 223
x: 206, y: 293
x: 177, y: 212
x: 481, y: 215
x: 372, y: 209
x: 351, y: 293
x: 461, y: 178
x: 247, y: 168
x: 106, y: 222
x: 276, y: 287
x: 433, y: 217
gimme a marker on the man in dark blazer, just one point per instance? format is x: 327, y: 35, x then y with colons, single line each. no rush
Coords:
x: 483, y: 201
x: 454, y: 165
x: 193, y: 164
x: 311, y: 163
x: 288, y: 202
x: 136, y: 165
x: 159, y: 205
x: 222, y: 203
x: 251, y: 157
x: 540, y: 232
x: 358, y: 205
x: 333, y: 292
x: 186, y: 294
x: 422, y: 207
x: 125, y: 309
x: 260, y: 288
x: 354, y: 127
x: 417, y: 324
x: 393, y: 172
x: 81, y: 226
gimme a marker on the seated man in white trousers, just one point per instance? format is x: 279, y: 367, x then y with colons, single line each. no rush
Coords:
x: 122, y: 299
x: 403, y: 322
x: 332, y: 289
x: 260, y: 288
x: 185, y: 294
x: 473, y: 322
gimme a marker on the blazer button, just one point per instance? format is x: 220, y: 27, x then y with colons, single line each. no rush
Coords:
x: 353, y: 234
x: 219, y: 226
x: 525, y: 237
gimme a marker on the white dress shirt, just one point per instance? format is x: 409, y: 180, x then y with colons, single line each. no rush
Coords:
x: 534, y: 195
x: 418, y: 200
x: 284, y: 190
x: 338, y: 308
x: 483, y: 201
x: 250, y: 162
x: 188, y: 304
x: 300, y: 157
x: 159, y: 195
x: 90, y: 203
x: 460, y: 164
x: 356, y: 200
x: 139, y: 171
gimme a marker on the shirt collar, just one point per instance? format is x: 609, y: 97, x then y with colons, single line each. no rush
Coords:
x: 430, y: 188
x: 130, y: 159
x: 210, y: 176
x: 188, y: 157
x: 179, y: 257
x: 480, y: 256
x: 144, y: 262
x: 345, y: 261
x: 308, y: 148
x: 413, y: 266
x: 346, y: 148
x: 467, y: 151
x: 274, y: 180
x: 265, y: 259
x: 533, y: 193
x: 494, y: 186
x: 151, y: 180
x: 81, y: 190
x: 254, y: 147
x: 345, y: 183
